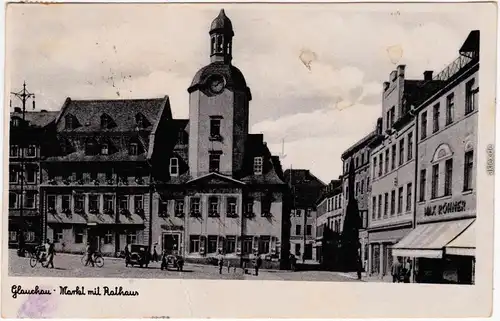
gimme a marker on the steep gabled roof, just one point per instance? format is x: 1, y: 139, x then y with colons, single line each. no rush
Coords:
x: 87, y: 114
x: 37, y: 119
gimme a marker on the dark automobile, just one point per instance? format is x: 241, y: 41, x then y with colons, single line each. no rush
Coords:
x: 139, y: 255
x: 176, y: 261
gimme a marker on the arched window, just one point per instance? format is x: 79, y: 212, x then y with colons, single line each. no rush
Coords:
x: 174, y: 166
x: 443, y: 156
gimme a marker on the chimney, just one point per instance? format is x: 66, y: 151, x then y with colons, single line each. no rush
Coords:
x: 428, y: 75
x: 393, y: 75
x: 18, y: 110
x: 386, y: 85
x: 401, y: 70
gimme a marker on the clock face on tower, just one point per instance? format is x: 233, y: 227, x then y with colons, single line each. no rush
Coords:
x: 216, y: 84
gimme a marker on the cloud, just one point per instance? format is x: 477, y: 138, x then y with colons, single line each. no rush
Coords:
x: 320, y: 108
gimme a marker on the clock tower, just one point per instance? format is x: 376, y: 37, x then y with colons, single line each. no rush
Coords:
x: 218, y: 108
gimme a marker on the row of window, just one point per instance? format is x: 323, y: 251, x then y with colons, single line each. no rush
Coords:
x: 380, y: 203
x: 448, y: 177
x: 298, y: 212
x: 94, y: 176
x: 92, y: 148
x: 334, y: 203
x: 107, y: 122
x: 470, y: 105
x: 29, y: 199
x: 229, y: 244
x: 94, y: 202
x: 385, y: 163
x: 359, y: 160
x: 29, y: 236
x: 298, y: 230
x: 15, y: 151
x: 79, y: 232
x: 15, y: 175
x: 361, y: 187
x: 215, y: 207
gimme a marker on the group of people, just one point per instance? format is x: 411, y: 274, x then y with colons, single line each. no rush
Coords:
x: 401, y: 271
x: 257, y: 263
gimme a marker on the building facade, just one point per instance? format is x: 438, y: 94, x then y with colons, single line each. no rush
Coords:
x: 446, y: 120
x: 329, y: 215
x: 359, y: 154
x: 97, y: 181
x: 305, y: 189
x: 220, y: 190
x: 28, y: 138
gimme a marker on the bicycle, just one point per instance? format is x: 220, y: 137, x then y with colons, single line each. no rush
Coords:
x: 96, y: 257
x: 35, y: 258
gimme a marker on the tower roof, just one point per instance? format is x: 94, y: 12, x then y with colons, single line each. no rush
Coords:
x: 222, y: 24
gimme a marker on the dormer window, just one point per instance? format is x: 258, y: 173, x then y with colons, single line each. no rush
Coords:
x: 106, y: 121
x: 258, y: 165
x: 141, y: 121
x: 174, y: 166
x: 133, y: 149
x: 69, y: 122
x: 104, y: 149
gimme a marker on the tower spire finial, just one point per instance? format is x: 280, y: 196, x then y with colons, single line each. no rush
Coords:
x: 221, y: 38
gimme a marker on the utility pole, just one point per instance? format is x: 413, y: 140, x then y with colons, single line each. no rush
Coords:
x: 23, y: 95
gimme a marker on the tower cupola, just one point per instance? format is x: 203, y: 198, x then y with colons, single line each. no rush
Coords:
x: 221, y: 39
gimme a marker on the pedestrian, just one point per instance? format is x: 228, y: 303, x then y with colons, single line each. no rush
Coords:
x: 127, y: 254
x: 257, y: 264
x: 293, y: 262
x: 220, y: 261
x: 407, y: 271
x: 359, y: 267
x: 396, y: 270
x: 50, y: 255
x: 90, y: 254
x: 228, y: 267
x: 155, y: 254
x: 164, y: 262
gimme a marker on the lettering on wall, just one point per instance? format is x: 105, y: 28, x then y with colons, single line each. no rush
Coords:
x: 445, y: 208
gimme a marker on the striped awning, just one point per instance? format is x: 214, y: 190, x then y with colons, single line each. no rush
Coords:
x: 429, y: 240
x: 464, y: 244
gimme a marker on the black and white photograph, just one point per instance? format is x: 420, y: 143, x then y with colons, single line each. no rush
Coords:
x: 324, y: 144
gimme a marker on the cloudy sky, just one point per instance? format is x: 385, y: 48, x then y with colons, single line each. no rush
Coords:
x: 319, y: 108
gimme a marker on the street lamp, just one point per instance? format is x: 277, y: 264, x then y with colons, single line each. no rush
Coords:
x: 23, y: 95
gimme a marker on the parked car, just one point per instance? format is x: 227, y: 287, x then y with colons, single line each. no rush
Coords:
x: 176, y: 261
x: 139, y: 255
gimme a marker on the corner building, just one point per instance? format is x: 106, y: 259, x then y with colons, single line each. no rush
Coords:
x: 218, y: 188
x: 443, y: 242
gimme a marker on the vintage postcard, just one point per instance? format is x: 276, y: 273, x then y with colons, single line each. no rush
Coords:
x: 308, y: 160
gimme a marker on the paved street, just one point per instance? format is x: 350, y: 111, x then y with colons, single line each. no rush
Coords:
x: 70, y: 266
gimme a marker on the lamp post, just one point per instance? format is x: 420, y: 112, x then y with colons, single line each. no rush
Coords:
x: 23, y: 95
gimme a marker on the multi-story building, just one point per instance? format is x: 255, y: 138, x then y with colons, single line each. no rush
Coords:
x: 28, y: 139
x: 329, y: 214
x: 220, y: 189
x: 96, y: 182
x: 359, y: 155
x: 306, y: 189
x: 446, y: 132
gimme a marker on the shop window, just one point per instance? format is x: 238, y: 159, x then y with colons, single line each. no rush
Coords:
x: 78, y: 234
x: 230, y: 244
x: 194, y: 244
x: 58, y: 234
x: 247, y: 245
x: 29, y: 236
x: 132, y: 238
x: 468, y: 167
x: 108, y: 237
x: 212, y: 244
x: 13, y: 200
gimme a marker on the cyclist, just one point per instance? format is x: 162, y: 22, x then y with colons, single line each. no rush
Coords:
x: 90, y: 255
